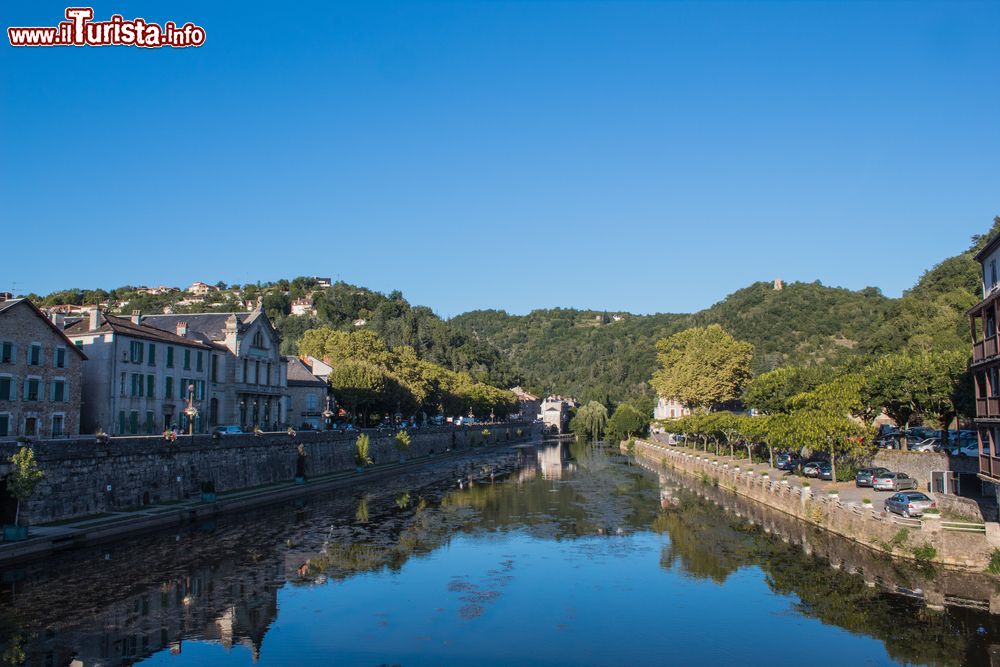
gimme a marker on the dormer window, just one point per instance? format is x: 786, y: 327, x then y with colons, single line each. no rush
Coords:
x: 258, y: 340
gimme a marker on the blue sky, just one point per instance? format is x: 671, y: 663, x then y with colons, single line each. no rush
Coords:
x: 647, y: 157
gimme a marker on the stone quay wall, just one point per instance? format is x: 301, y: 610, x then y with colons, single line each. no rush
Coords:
x: 871, y: 527
x: 84, y: 477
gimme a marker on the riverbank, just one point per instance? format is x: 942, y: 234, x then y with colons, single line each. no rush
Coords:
x: 930, y: 540
x: 52, y: 537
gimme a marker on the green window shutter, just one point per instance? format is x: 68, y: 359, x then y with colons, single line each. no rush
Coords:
x: 4, y: 389
x: 170, y: 357
x: 200, y: 362
x: 169, y: 392
x: 151, y: 386
x: 4, y: 426
x: 60, y: 357
x: 187, y: 359
x: 152, y: 354
x: 121, y: 422
x: 133, y: 425
x: 149, y: 423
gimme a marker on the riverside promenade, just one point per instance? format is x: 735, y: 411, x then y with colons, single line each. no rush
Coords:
x: 932, y: 539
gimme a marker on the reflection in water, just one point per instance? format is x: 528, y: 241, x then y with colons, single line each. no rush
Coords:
x: 552, y: 524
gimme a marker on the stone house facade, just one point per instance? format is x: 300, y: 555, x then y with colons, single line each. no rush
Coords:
x: 138, y: 379
x: 307, y: 396
x: 247, y: 379
x: 40, y: 375
x: 669, y: 408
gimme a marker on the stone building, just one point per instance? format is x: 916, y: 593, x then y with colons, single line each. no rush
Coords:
x: 985, y: 366
x: 555, y: 413
x: 40, y: 375
x: 530, y: 405
x: 306, y: 396
x: 247, y: 385
x: 138, y: 377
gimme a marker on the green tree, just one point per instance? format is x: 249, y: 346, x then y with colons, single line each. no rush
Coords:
x: 894, y: 384
x: 24, y: 478
x: 625, y: 423
x: 945, y: 389
x: 590, y: 421
x: 702, y: 367
x: 770, y: 392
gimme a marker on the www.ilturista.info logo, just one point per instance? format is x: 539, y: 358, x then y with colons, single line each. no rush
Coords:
x: 81, y: 30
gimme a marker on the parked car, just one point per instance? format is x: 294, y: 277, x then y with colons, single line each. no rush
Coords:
x: 893, y: 481
x: 932, y: 444
x: 909, y: 503
x: 786, y: 461
x: 825, y: 471
x: 232, y: 429
x: 968, y: 448
x: 811, y: 469
x: 922, y: 432
x: 864, y: 476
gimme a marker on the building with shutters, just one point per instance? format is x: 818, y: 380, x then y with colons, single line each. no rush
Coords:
x: 138, y: 378
x: 40, y: 375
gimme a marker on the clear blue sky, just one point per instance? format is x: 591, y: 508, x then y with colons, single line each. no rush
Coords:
x: 645, y: 157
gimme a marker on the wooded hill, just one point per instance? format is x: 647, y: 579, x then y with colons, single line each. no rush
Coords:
x: 591, y: 355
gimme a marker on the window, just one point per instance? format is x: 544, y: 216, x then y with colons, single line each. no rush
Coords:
x: 4, y: 425
x: 121, y: 422
x: 6, y: 384
x: 201, y: 390
x: 168, y: 388
x: 135, y: 351
x: 31, y: 389
x: 79, y: 344
x: 170, y: 357
x: 60, y: 357
x: 215, y: 368
x: 187, y: 360
x: 994, y: 389
x: 258, y: 340
x: 133, y: 422
x: 993, y: 272
x: 122, y: 392
x: 57, y: 425
x: 311, y: 402
x: 150, y: 386
x: 149, y: 422
x: 7, y: 352
x: 256, y: 372
x: 199, y: 365
x: 246, y: 370
x: 35, y: 355
x: 152, y: 354
x: 31, y: 426
x: 59, y: 390
x: 183, y: 389
x: 267, y: 374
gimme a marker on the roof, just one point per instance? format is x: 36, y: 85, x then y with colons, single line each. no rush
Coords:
x: 990, y: 246
x: 205, y: 326
x: 299, y: 375
x: 10, y: 304
x: 126, y: 327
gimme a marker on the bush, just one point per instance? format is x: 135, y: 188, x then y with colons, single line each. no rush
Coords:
x: 994, y: 566
x: 402, y: 441
x: 361, y: 454
x: 925, y: 553
x: 846, y: 472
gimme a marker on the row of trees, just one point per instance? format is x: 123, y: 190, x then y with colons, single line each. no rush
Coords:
x: 368, y: 378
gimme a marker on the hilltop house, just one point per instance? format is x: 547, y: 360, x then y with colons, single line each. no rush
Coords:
x: 247, y: 378
x: 199, y: 288
x: 138, y: 378
x: 40, y: 373
x: 303, y: 306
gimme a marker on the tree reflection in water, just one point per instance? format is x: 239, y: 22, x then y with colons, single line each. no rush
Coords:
x: 219, y: 582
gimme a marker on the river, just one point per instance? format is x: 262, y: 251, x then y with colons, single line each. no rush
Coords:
x: 556, y: 555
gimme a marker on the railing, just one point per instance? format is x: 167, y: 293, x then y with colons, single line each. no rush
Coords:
x: 978, y: 351
x: 988, y: 407
x: 962, y: 527
x: 903, y: 521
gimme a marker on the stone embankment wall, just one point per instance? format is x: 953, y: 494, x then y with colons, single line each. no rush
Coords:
x: 84, y: 477
x: 869, y: 526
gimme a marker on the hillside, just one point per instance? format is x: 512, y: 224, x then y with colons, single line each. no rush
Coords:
x: 587, y: 354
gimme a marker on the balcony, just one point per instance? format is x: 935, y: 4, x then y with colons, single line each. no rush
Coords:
x: 984, y: 349
x: 988, y: 407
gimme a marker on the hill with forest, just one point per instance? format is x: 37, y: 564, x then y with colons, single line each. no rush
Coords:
x: 605, y: 356
x: 592, y: 355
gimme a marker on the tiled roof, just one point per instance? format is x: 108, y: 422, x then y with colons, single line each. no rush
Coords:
x: 299, y: 374
x: 126, y: 327
x: 9, y: 304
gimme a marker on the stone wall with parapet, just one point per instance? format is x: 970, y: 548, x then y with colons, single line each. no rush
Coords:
x: 84, y: 477
x: 871, y: 527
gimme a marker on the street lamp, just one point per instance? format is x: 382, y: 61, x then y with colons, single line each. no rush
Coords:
x: 328, y: 413
x: 190, y: 410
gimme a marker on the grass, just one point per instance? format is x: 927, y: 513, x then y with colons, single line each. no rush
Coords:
x: 925, y: 553
x: 994, y: 566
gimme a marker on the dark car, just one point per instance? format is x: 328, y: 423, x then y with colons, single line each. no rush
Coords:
x: 909, y: 503
x: 825, y: 471
x: 786, y: 461
x: 864, y: 476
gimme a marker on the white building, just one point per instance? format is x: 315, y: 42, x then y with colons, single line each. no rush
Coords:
x: 669, y: 408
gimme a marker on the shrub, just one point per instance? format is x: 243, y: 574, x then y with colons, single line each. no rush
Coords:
x: 361, y: 455
x: 402, y: 441
x: 994, y: 566
x: 806, y: 485
x: 486, y: 434
x: 866, y: 500
x: 924, y: 553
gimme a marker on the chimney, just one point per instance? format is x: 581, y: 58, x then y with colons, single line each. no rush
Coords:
x: 57, y: 319
x: 136, y: 317
x: 95, y: 318
x: 182, y: 328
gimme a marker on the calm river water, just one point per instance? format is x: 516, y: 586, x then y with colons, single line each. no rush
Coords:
x: 569, y: 555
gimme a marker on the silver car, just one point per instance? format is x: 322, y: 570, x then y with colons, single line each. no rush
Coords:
x: 909, y: 503
x: 893, y: 481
